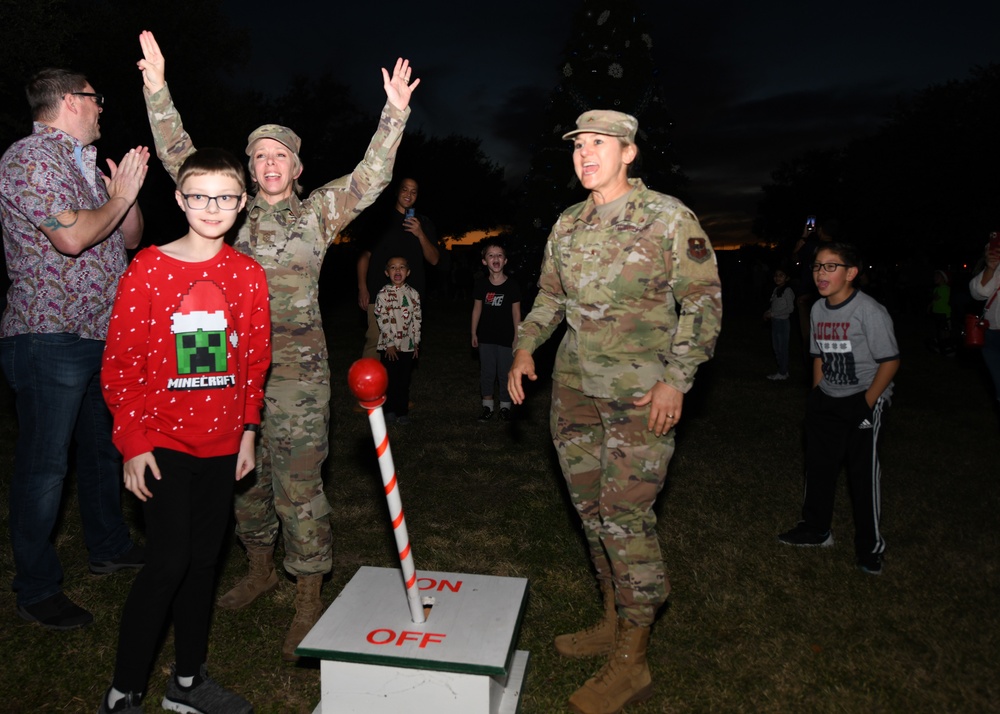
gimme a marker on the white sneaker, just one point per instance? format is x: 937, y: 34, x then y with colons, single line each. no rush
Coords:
x: 777, y: 376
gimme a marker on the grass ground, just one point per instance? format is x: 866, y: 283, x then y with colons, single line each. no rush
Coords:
x: 751, y: 626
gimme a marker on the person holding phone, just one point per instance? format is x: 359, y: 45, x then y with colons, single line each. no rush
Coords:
x: 403, y: 233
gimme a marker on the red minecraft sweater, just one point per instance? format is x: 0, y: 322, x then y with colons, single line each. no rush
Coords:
x: 188, y: 349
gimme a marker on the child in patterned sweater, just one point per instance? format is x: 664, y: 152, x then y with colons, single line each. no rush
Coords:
x: 397, y: 311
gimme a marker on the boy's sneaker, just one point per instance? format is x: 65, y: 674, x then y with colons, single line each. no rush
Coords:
x: 806, y: 537
x: 870, y: 564
x: 56, y: 613
x: 206, y: 696
x: 130, y: 704
x: 134, y: 557
x: 778, y: 376
x: 390, y: 417
x: 403, y: 419
x: 504, y: 414
x: 486, y: 415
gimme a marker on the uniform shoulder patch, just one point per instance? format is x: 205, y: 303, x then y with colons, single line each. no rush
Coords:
x: 698, y: 249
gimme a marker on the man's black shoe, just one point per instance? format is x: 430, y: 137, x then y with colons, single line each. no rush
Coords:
x: 134, y: 557
x: 56, y: 613
x: 870, y: 564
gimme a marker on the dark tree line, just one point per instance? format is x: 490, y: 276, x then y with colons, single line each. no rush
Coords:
x: 925, y: 184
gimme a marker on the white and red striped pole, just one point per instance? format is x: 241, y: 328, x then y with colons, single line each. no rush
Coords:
x: 368, y: 380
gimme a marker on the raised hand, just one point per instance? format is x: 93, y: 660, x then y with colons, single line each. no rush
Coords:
x: 152, y: 65
x: 398, y: 88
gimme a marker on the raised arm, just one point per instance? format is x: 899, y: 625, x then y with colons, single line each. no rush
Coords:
x: 338, y: 202
x: 173, y: 144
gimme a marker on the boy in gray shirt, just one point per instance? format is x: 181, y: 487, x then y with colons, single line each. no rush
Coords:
x: 855, y: 358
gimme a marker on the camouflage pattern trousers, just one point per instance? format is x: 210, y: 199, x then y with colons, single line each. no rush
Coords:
x: 614, y: 468
x: 287, y: 486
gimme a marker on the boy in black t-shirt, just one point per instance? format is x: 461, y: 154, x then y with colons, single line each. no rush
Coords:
x: 496, y: 313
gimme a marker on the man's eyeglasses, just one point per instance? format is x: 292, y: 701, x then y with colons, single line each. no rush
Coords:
x: 199, y: 201
x: 98, y: 98
x: 828, y: 267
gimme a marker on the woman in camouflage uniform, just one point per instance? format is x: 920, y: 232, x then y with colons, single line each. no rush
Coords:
x: 289, y: 238
x: 616, y: 268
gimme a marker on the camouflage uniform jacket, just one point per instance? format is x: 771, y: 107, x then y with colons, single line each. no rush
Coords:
x: 290, y: 238
x: 617, y: 283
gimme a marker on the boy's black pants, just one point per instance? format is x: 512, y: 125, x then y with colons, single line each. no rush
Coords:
x: 844, y: 431
x: 187, y: 520
x: 399, y: 371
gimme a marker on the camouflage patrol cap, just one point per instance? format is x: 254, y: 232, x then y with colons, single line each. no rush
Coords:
x: 605, y: 121
x: 281, y: 134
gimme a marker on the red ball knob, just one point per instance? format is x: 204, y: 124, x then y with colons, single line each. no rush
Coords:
x: 367, y: 379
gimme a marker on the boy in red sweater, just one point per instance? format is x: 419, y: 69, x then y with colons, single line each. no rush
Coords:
x: 187, y: 351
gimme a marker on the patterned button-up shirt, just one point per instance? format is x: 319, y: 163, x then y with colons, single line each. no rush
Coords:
x: 40, y: 176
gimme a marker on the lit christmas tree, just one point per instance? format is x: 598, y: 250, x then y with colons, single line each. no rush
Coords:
x: 608, y: 65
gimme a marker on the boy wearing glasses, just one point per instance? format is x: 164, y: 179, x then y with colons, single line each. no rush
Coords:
x: 855, y: 358
x: 187, y: 351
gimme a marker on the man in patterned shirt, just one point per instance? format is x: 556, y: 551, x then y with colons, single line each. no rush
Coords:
x: 66, y: 226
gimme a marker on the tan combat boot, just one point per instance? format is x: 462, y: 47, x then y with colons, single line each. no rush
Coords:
x: 308, y: 608
x: 625, y: 678
x: 598, y: 639
x: 261, y: 579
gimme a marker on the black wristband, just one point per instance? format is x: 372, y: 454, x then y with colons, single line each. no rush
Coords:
x: 251, y: 427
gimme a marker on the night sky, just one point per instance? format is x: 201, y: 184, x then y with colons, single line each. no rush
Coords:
x: 748, y: 84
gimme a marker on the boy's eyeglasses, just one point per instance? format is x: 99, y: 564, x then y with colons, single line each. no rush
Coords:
x: 828, y: 267
x: 98, y: 98
x: 199, y: 201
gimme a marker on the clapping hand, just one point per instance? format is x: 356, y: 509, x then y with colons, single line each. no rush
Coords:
x: 128, y: 175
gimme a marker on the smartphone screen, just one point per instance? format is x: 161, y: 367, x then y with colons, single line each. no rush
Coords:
x: 811, y: 223
x: 409, y: 213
